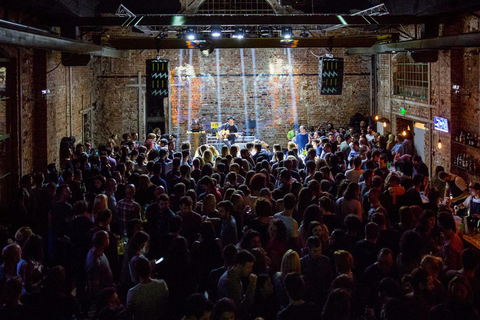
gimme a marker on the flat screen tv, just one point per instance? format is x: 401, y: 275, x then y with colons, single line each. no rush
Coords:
x: 440, y: 124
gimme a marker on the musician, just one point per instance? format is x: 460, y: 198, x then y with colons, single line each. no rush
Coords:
x: 232, y: 129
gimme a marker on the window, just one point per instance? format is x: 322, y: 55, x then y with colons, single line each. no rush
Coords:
x: 235, y: 7
x: 410, y: 78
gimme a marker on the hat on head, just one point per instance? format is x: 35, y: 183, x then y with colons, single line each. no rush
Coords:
x: 231, y: 117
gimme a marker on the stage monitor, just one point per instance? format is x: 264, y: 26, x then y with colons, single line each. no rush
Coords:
x: 440, y: 124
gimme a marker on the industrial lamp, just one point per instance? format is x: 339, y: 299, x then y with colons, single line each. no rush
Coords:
x: 287, y: 32
x: 216, y: 31
x: 239, y: 33
x: 191, y: 33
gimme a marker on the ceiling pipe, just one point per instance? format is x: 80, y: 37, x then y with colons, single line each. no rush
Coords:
x: 458, y: 41
x: 20, y: 35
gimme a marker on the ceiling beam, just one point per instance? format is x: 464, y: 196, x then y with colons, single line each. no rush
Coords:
x: 144, y: 43
x: 225, y: 20
x: 51, y: 42
x: 458, y: 41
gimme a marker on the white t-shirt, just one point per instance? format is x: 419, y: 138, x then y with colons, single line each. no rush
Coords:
x: 290, y: 223
x: 469, y: 200
x: 148, y: 301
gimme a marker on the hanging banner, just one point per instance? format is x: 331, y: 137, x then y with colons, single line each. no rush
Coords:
x: 330, y: 76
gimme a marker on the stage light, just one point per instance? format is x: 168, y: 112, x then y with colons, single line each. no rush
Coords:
x: 265, y: 32
x: 191, y: 33
x: 239, y: 32
x: 216, y: 31
x: 287, y: 32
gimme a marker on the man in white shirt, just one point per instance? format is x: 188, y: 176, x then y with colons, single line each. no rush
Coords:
x: 354, y: 174
x: 286, y: 215
x: 148, y: 299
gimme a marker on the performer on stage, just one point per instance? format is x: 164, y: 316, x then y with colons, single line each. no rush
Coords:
x: 229, y: 131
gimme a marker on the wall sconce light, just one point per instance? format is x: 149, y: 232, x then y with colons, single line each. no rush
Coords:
x: 385, y: 123
x: 377, y: 118
x: 404, y: 133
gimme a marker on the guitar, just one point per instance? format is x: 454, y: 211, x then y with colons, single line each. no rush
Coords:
x: 224, y: 134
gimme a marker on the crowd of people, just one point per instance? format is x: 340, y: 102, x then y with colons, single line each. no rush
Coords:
x: 341, y: 225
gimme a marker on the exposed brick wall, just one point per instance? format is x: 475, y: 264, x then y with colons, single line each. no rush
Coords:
x: 58, y: 100
x: 269, y: 86
x: 453, y: 67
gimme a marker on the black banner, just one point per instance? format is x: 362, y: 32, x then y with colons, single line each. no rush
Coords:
x: 156, y: 91
x: 330, y: 77
x: 157, y: 78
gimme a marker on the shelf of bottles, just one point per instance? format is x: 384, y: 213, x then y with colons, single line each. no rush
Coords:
x: 466, y: 162
x: 467, y: 139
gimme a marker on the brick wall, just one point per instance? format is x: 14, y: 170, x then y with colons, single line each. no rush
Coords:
x: 268, y: 91
x: 58, y: 101
x: 462, y: 111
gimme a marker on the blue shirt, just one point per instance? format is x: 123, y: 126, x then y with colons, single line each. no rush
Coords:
x: 302, y: 140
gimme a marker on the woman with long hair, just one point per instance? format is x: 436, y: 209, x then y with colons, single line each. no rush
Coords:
x: 208, y: 157
x: 290, y: 263
x: 206, y: 253
x: 145, y: 192
x: 312, y: 213
x: 277, y: 244
x: 350, y: 202
x: 100, y: 204
x: 136, y: 246
x: 305, y: 198
x: 179, y: 274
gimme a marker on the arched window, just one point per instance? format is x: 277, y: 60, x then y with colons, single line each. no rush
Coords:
x: 410, y: 78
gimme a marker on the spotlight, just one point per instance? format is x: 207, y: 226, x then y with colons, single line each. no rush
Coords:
x: 239, y: 32
x: 287, y: 32
x: 265, y: 32
x: 216, y: 31
x: 191, y: 33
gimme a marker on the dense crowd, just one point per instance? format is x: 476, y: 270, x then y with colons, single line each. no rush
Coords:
x: 340, y: 224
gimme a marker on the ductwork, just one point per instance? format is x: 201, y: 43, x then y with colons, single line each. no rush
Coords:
x: 459, y: 41
x: 20, y: 35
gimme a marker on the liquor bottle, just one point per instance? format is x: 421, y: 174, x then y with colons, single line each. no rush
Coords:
x: 475, y: 165
x: 457, y: 136
x: 461, y: 138
x: 475, y: 141
x: 467, y: 139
